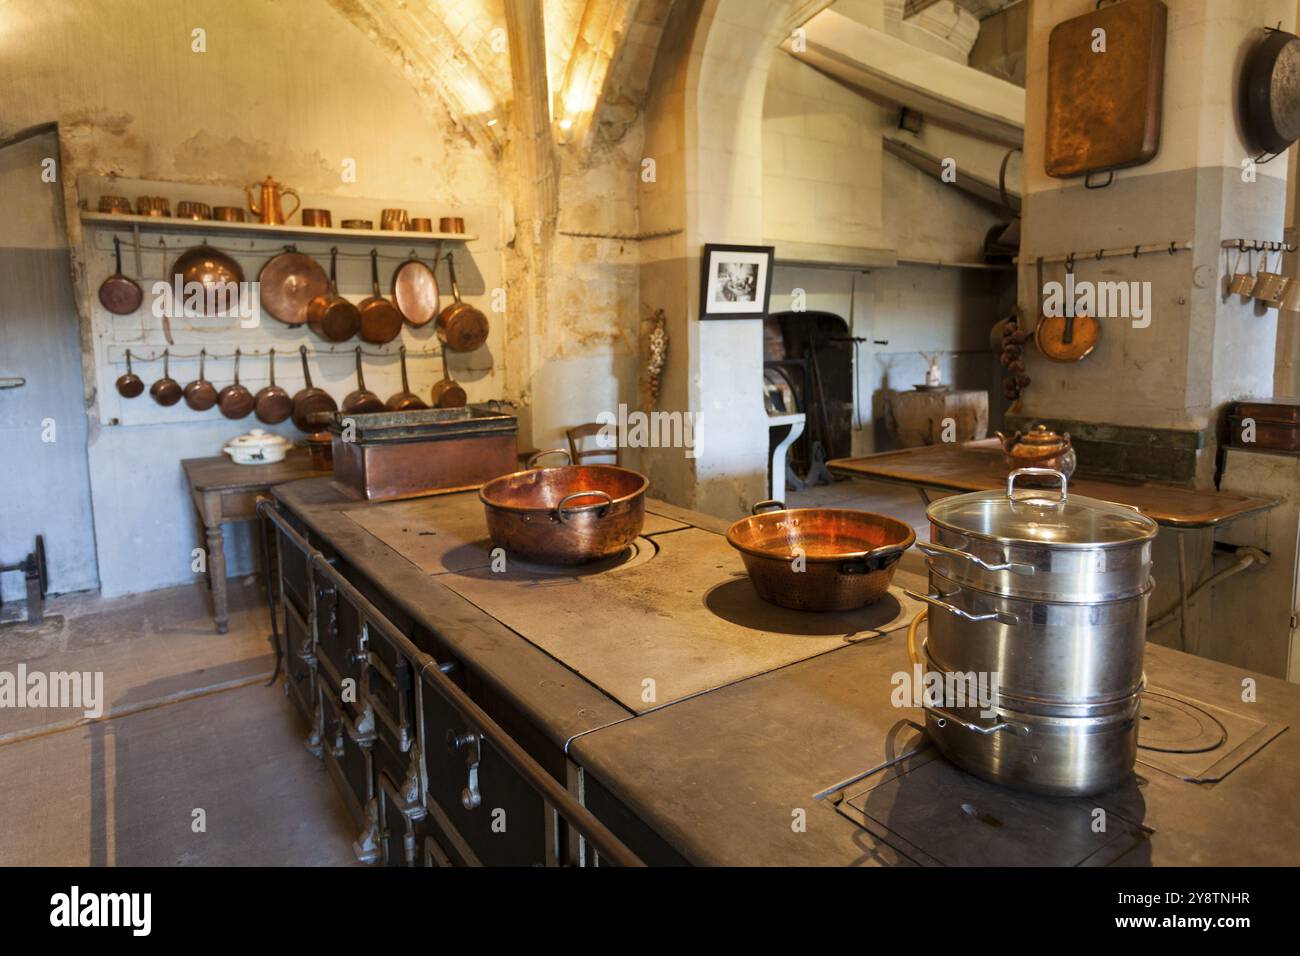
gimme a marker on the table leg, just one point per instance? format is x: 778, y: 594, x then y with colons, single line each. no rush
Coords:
x: 217, y: 575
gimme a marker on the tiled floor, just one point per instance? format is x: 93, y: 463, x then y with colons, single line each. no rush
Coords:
x: 189, y: 733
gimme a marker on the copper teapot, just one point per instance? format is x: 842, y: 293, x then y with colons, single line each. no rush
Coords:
x: 1040, y: 447
x: 269, y: 209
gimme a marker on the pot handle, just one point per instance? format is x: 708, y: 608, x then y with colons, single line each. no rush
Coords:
x: 937, y: 549
x: 1042, y: 473
x: 966, y: 615
x: 943, y: 716
x: 767, y: 504
x: 532, y: 461
x: 559, y: 508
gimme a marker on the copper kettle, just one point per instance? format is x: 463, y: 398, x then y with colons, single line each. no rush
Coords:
x: 269, y: 209
x: 1040, y: 447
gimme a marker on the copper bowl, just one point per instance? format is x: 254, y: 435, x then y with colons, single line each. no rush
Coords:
x: 227, y: 214
x: 847, y: 557
x: 317, y: 218
x: 566, y: 515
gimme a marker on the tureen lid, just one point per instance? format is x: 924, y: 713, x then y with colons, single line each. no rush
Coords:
x: 1046, y: 516
x: 258, y: 438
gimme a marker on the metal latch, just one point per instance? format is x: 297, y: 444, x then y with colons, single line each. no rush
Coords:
x: 471, y: 745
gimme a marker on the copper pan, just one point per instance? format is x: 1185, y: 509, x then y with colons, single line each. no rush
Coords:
x: 210, y: 268
x: 129, y: 384
x: 566, y: 515
x: 166, y: 391
x: 289, y: 282
x: 331, y: 316
x: 381, y: 322
x: 361, y: 400
x: 461, y: 327
x: 201, y: 394
x: 272, y: 404
x: 119, y: 294
x: 415, y: 291
x: 405, y: 400
x: 447, y: 392
x: 235, y: 400
x: 309, y: 400
x: 819, y: 559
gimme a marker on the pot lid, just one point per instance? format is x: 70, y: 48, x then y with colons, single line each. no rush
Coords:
x: 1040, y: 436
x: 1046, y: 516
x: 258, y: 438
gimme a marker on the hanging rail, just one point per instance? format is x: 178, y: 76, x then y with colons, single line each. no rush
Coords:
x: 1259, y: 245
x: 1118, y: 252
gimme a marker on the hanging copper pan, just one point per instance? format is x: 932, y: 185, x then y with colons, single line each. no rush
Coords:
x: 461, y: 327
x: 380, y: 320
x: 129, y: 384
x: 117, y: 293
x: 405, y: 400
x: 166, y: 391
x: 289, y: 282
x: 361, y: 400
x: 447, y: 393
x: 272, y: 404
x: 212, y: 269
x: 235, y: 400
x: 201, y: 394
x: 331, y: 316
x: 310, y: 401
x: 415, y: 291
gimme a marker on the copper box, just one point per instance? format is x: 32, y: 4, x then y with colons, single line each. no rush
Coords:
x: 389, y: 455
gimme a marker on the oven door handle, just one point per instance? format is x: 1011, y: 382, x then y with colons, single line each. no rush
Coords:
x: 934, y: 601
x: 935, y: 550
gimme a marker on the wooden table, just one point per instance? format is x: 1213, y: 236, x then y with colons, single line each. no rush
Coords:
x: 223, y: 491
x: 979, y: 466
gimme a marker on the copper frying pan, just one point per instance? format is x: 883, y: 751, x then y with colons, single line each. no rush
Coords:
x: 405, y: 400
x: 289, y: 283
x: 129, y: 384
x: 166, y: 391
x: 461, y: 327
x: 447, y: 393
x: 272, y: 404
x: 331, y: 316
x: 361, y: 401
x: 235, y: 401
x: 310, y: 401
x: 201, y: 394
x: 210, y: 268
x: 121, y: 295
x: 380, y: 320
x: 415, y: 291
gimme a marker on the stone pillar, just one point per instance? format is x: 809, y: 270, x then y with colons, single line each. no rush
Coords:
x: 1162, y: 384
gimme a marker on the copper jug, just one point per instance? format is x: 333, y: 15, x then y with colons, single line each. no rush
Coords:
x: 269, y: 209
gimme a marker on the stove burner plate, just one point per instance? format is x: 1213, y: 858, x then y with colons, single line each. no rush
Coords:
x: 1196, y: 741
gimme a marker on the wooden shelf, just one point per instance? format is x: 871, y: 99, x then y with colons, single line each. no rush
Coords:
x: 214, y: 227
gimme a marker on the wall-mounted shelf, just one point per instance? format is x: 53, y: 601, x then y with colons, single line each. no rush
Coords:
x: 215, y: 227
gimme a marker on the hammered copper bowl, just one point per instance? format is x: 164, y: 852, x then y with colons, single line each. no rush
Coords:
x: 566, y: 515
x: 848, y: 557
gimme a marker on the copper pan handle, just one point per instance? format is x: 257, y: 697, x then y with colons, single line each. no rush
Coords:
x: 559, y: 508
x: 532, y: 462
x: 768, y: 504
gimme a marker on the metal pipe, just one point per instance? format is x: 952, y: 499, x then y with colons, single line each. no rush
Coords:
x: 1247, y: 557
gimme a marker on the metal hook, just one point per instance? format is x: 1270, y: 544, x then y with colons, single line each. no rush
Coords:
x: 1100, y: 254
x: 1137, y: 251
x: 1172, y: 250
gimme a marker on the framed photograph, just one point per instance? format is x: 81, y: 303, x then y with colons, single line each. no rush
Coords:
x: 736, y: 282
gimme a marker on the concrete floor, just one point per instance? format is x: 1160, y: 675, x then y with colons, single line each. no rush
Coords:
x: 188, y: 725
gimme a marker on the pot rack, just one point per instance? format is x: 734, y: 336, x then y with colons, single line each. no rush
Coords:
x: 1259, y: 245
x: 217, y: 227
x: 117, y: 353
x: 105, y: 244
x: 1133, y: 252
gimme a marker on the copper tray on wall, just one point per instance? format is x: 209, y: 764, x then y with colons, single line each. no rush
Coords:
x: 393, y: 455
x: 1103, y: 109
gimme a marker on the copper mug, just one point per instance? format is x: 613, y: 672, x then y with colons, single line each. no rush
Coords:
x: 228, y: 213
x: 193, y: 210
x: 317, y: 218
x: 1270, y: 285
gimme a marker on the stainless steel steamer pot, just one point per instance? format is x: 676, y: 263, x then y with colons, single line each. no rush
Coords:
x: 1049, y: 592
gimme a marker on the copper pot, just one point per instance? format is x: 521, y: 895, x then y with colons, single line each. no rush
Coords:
x: 452, y: 224
x: 201, y: 394
x: 227, y: 214
x: 381, y: 322
x: 357, y: 224
x: 153, y: 206
x: 819, y: 559
x: 188, y: 209
x: 317, y: 218
x: 118, y: 205
x: 405, y: 400
x: 420, y: 224
x: 310, y: 401
x: 331, y: 316
x: 566, y: 515
x: 129, y: 384
x: 460, y: 326
x: 361, y: 400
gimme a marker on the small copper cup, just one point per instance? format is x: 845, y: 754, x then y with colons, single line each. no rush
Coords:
x: 153, y: 206
x: 228, y: 213
x: 317, y: 218
x: 420, y: 224
x: 451, y: 224
x: 357, y: 224
x: 115, y: 204
x: 193, y: 210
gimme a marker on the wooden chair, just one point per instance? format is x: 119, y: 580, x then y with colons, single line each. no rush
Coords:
x: 586, y: 448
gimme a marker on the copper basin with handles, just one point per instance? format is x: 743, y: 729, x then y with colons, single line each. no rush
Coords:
x: 819, y: 559
x: 569, y: 514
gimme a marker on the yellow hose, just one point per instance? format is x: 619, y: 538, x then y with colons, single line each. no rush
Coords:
x: 911, y: 636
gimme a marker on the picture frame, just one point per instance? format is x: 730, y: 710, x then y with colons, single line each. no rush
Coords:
x: 735, y: 281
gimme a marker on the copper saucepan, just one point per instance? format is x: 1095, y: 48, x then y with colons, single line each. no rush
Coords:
x: 310, y: 401
x: 361, y: 400
x: 119, y: 294
x: 201, y: 394
x: 460, y: 326
x: 272, y: 404
x: 235, y: 400
x: 405, y: 400
x: 166, y: 391
x: 129, y: 384
x: 819, y: 559
x: 381, y: 322
x: 330, y: 315
x: 566, y: 515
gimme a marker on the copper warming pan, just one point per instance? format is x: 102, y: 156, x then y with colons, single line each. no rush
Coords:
x: 565, y: 515
x: 847, y: 557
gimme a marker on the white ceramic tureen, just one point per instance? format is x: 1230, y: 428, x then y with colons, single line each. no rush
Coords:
x: 258, y: 447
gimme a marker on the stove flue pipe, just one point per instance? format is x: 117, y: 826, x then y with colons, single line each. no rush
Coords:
x: 1247, y: 557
